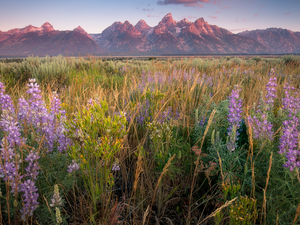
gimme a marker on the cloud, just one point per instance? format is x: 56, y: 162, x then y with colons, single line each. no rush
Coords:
x: 147, y: 9
x: 238, y: 30
x: 217, y: 12
x: 150, y: 15
x: 243, y: 19
x: 213, y: 17
x: 189, y: 17
x: 287, y: 13
x: 189, y: 3
x: 226, y: 7
x: 256, y: 15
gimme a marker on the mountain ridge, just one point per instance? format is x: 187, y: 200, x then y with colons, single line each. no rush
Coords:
x: 170, y: 36
x: 278, y: 40
x: 167, y: 37
x: 45, y: 40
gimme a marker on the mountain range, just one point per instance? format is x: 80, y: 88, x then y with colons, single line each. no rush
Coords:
x: 168, y: 37
x: 45, y: 40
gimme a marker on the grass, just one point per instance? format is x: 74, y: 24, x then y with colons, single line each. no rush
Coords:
x: 174, y: 164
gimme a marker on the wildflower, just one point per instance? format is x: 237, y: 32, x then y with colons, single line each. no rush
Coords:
x: 56, y: 200
x: 32, y: 168
x: 234, y: 117
x: 9, y: 168
x: 115, y: 167
x: 262, y: 128
x: 289, y: 139
x: 58, y: 216
x: 235, y: 109
x: 73, y: 166
x: 271, y: 92
x: 30, y: 199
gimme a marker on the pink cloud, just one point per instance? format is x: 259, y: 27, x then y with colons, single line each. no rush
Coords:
x: 214, y: 2
x: 261, y: 5
x: 150, y: 15
x: 213, y: 17
x: 188, y: 3
x: 256, y: 15
x: 238, y: 30
x: 243, y: 19
x: 189, y: 17
x: 217, y: 12
x: 226, y: 7
x: 287, y: 13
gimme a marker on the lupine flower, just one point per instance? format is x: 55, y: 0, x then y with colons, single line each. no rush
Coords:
x: 235, y: 110
x: 56, y: 200
x: 58, y: 216
x: 234, y: 117
x: 23, y: 109
x: 7, y: 122
x: 30, y: 199
x: 262, y: 128
x: 271, y: 92
x: 115, y: 167
x: 289, y: 140
x: 73, y: 166
x: 45, y: 122
x: 5, y: 100
x: 11, y: 128
x: 32, y: 168
x: 9, y: 167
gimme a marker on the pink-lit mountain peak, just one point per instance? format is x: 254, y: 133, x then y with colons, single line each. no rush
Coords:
x: 184, y: 23
x: 168, y: 19
x: 141, y: 23
x: 79, y: 29
x: 200, y: 22
x: 47, y: 27
x: 29, y: 28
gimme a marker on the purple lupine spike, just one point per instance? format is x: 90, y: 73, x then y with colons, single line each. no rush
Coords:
x: 9, y: 168
x: 30, y: 197
x: 32, y: 168
x: 11, y: 128
x: 55, y: 104
x: 289, y: 140
x: 262, y: 128
x: 23, y: 109
x: 73, y: 166
x: 271, y: 92
x: 235, y: 110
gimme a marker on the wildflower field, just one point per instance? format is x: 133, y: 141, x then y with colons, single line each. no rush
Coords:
x: 178, y: 141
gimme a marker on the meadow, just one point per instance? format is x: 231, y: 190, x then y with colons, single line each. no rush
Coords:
x: 155, y: 141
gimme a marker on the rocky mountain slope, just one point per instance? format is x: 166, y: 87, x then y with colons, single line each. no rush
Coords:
x: 170, y: 36
x: 45, y: 40
x: 167, y: 37
x: 278, y: 40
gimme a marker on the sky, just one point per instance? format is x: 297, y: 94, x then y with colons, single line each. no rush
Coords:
x: 96, y: 15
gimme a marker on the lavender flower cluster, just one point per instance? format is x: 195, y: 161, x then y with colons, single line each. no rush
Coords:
x: 234, y: 117
x: 290, y: 132
x: 31, y: 114
x: 235, y: 110
x: 271, y: 92
x: 262, y: 127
